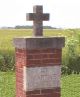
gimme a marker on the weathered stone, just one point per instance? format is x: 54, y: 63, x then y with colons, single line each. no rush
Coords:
x: 37, y: 18
x: 41, y: 77
x: 39, y: 42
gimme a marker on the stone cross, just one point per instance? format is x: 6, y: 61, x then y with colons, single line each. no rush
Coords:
x: 38, y: 17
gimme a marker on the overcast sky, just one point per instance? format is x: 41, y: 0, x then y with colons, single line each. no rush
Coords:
x: 63, y: 13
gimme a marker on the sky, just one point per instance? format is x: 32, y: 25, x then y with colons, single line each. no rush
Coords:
x: 63, y: 13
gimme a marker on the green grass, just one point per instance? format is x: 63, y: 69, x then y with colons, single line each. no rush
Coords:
x: 7, y: 84
x: 70, y: 85
x: 6, y: 38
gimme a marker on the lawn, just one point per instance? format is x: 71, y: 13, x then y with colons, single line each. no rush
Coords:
x: 7, y: 84
x: 70, y: 85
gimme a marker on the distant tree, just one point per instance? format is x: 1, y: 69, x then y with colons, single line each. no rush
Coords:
x: 30, y: 27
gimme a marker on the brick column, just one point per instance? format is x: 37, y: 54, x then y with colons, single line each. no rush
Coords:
x: 38, y: 66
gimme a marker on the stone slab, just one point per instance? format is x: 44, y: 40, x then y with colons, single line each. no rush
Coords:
x: 39, y: 42
x: 41, y: 78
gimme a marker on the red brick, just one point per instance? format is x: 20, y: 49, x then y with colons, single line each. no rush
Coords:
x: 57, y: 51
x: 56, y: 94
x: 30, y: 56
x: 56, y: 61
x: 19, y: 65
x: 45, y: 95
x: 43, y: 65
x: 50, y: 90
x: 49, y: 50
x: 18, y: 54
x: 19, y: 73
x: 40, y: 95
x: 19, y: 80
x: 33, y: 51
x: 38, y: 51
x: 20, y: 85
x: 47, y: 91
x: 51, y: 55
x: 51, y: 61
x: 34, y: 62
x: 54, y: 55
x: 19, y: 70
x: 57, y: 89
x: 51, y: 64
x: 44, y: 56
x: 20, y: 50
x: 19, y: 76
x: 33, y: 92
x: 37, y: 56
x: 47, y: 61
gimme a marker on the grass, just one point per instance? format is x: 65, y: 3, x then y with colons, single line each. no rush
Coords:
x: 6, y: 38
x: 7, y: 84
x: 70, y: 85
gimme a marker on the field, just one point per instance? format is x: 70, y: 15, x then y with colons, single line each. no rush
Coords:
x: 70, y: 83
x: 6, y: 36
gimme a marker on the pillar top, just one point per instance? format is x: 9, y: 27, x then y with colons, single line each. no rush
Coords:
x: 39, y: 42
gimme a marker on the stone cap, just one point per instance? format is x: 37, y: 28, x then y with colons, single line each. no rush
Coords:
x: 38, y: 42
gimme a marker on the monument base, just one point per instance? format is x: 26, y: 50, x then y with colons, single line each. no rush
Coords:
x: 38, y: 66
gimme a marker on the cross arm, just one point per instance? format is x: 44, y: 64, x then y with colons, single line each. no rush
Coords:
x: 30, y: 16
x: 46, y: 17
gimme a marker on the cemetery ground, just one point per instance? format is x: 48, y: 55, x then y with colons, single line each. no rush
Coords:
x: 70, y: 86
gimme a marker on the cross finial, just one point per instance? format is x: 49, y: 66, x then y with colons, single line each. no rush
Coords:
x: 38, y: 17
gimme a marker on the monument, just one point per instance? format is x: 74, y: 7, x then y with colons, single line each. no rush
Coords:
x: 38, y: 60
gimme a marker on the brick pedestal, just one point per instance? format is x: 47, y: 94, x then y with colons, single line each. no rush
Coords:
x: 38, y: 66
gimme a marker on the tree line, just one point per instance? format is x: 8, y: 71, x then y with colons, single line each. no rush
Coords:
x: 27, y: 27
